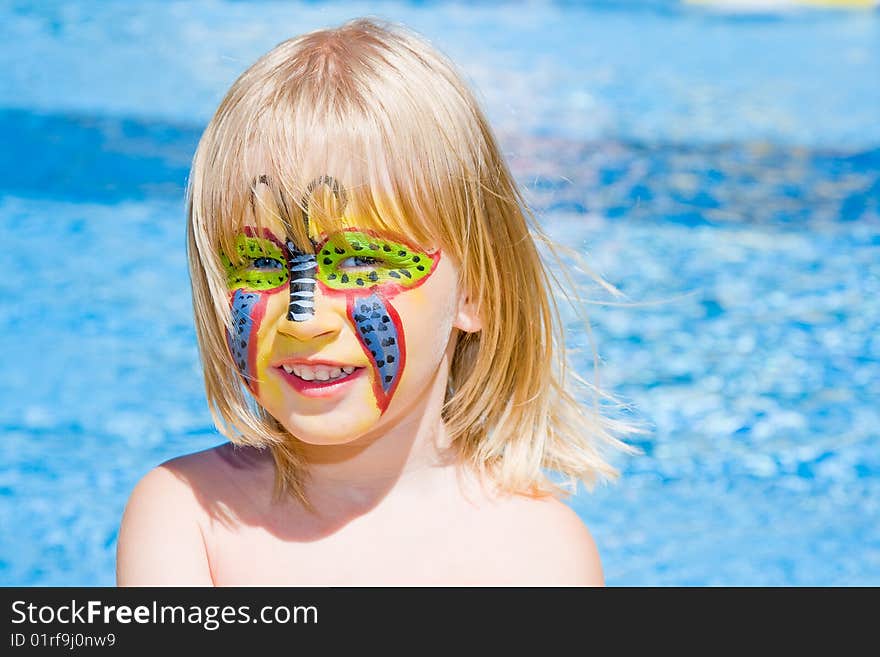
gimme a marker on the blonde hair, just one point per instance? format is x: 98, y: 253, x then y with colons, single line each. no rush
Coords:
x: 383, y: 110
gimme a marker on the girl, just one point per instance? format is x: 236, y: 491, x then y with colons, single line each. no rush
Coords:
x: 379, y: 343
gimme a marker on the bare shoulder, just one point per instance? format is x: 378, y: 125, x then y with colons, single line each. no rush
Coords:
x: 544, y: 542
x: 161, y: 537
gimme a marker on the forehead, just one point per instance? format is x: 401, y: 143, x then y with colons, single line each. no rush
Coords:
x: 325, y: 208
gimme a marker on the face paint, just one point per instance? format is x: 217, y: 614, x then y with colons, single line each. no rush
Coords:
x: 302, y: 284
x: 375, y: 262
x: 369, y: 270
x: 262, y: 263
x: 381, y: 336
x: 302, y: 265
x: 365, y: 268
x: 260, y: 271
x: 248, y: 310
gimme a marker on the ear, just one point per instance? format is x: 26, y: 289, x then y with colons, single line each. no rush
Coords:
x: 467, y: 318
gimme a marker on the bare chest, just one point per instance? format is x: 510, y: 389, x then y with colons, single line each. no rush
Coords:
x: 424, y: 548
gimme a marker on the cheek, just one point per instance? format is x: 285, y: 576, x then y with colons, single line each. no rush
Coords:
x: 249, y: 342
x: 248, y: 310
x: 381, y: 335
x: 410, y: 329
x: 428, y: 317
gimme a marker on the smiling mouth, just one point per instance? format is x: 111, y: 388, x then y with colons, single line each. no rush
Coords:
x: 313, y: 378
x: 319, y: 374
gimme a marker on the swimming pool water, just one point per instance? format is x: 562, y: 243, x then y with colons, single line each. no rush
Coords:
x: 727, y: 165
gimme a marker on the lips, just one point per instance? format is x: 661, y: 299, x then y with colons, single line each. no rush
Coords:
x: 318, y: 379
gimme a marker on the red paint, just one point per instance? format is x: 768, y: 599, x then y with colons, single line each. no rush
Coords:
x: 401, y: 342
x: 267, y: 234
x: 383, y: 399
x: 387, y: 290
x: 258, y: 312
x: 257, y: 315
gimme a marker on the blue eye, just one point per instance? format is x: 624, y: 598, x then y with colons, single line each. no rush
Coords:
x: 266, y: 263
x: 355, y: 262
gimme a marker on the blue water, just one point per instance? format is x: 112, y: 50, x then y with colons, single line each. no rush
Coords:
x: 724, y: 163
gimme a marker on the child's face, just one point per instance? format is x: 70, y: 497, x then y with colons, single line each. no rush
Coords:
x: 340, y: 343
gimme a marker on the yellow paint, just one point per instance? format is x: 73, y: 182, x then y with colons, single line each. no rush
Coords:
x: 303, y: 417
x: 312, y: 230
x: 271, y: 389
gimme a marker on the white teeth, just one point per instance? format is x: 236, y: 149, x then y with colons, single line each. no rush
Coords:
x: 319, y: 372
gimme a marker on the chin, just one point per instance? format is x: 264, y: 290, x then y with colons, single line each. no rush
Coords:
x: 324, y: 430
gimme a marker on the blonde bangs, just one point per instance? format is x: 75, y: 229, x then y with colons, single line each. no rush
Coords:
x: 292, y: 120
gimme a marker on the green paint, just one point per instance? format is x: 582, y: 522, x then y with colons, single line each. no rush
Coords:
x: 261, y: 265
x: 379, y: 261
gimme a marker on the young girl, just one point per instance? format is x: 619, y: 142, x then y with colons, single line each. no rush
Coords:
x: 379, y: 340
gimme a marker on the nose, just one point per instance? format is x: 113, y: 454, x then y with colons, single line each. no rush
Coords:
x: 314, y: 318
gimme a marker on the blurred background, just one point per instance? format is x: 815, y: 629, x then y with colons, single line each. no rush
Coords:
x: 723, y: 158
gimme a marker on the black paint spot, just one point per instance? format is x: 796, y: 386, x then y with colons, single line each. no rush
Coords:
x: 406, y: 273
x: 415, y: 258
x: 344, y: 278
x: 393, y: 274
x: 365, y: 308
x: 390, y: 358
x: 325, y: 252
x: 374, y: 247
x: 401, y: 253
x: 380, y: 363
x: 386, y: 318
x: 421, y: 268
x: 388, y: 379
x: 360, y: 282
x: 373, y: 352
x: 331, y: 277
x: 338, y: 250
x: 387, y: 342
x: 386, y: 248
x: 373, y: 276
x: 382, y: 327
x: 328, y: 261
x: 356, y: 246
